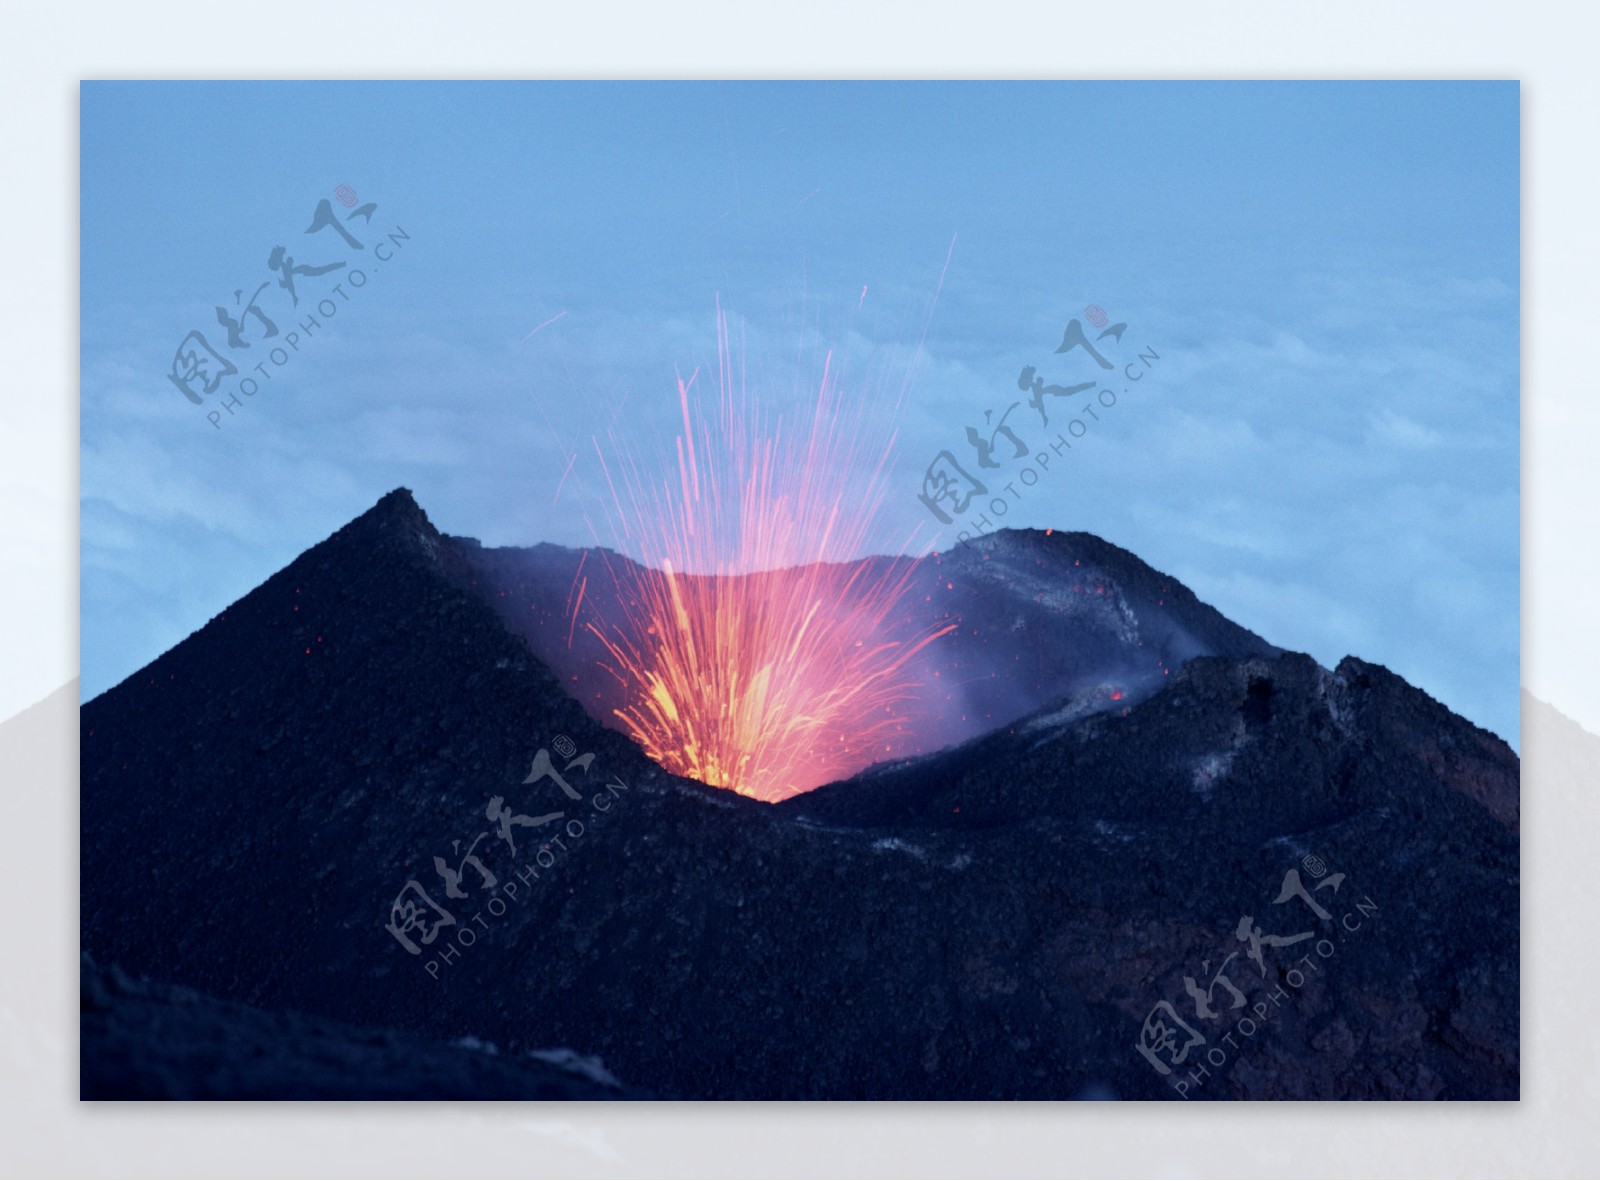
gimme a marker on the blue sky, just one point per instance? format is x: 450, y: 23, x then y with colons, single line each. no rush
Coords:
x: 1327, y: 451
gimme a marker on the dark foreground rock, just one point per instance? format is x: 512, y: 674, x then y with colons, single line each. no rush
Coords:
x: 1009, y: 919
x: 144, y: 1040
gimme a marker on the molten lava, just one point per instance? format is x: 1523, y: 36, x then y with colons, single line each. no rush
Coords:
x: 752, y: 658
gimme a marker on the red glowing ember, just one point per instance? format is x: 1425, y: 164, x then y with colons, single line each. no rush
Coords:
x: 752, y: 658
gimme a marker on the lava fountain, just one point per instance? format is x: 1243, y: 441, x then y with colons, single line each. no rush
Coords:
x: 751, y: 656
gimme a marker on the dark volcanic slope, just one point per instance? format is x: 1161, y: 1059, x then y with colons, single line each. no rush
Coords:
x: 1036, y: 616
x: 144, y: 1040
x: 996, y: 921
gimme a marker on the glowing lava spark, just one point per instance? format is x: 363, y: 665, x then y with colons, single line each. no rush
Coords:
x: 752, y: 656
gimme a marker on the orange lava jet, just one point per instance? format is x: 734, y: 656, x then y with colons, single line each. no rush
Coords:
x: 751, y: 656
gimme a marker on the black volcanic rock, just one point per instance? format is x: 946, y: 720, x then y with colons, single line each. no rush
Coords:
x: 993, y: 921
x: 316, y: 736
x: 144, y: 1040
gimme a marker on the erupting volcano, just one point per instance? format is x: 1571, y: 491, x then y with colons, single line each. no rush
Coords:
x: 352, y: 723
x: 755, y: 655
